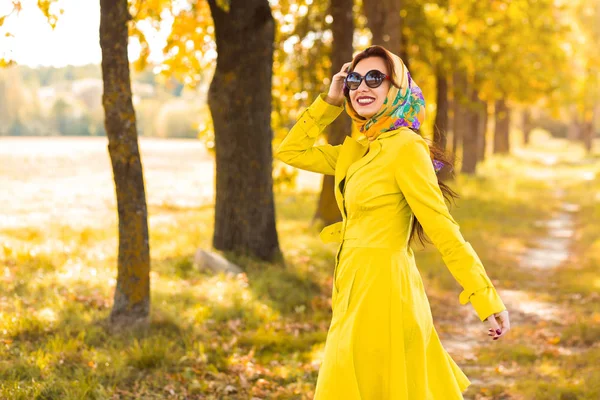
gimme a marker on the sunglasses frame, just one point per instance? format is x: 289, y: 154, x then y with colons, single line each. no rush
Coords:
x: 385, y: 76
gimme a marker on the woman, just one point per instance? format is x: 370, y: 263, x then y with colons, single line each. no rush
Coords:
x: 382, y: 344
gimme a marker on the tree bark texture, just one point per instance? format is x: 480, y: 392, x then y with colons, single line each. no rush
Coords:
x: 470, y: 143
x: 132, y: 293
x: 440, y: 130
x: 240, y: 103
x: 501, y: 130
x: 341, y: 52
x: 527, y: 127
x: 385, y: 23
x: 573, y: 130
x: 482, y: 130
x: 459, y: 123
x: 587, y: 127
x: 587, y: 135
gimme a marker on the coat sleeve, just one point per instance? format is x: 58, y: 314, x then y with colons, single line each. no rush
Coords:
x: 417, y: 180
x: 297, y: 148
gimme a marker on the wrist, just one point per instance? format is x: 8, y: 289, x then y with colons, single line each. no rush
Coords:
x: 333, y: 101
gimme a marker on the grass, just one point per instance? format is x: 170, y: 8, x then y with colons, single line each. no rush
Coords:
x: 261, y: 334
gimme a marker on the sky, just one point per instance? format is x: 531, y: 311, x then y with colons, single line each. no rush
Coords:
x: 74, y: 41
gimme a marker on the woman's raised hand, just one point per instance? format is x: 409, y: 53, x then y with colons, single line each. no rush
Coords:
x: 336, y: 89
x: 500, y: 324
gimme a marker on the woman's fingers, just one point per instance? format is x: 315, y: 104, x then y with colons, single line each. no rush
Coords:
x: 495, y: 330
x: 344, y: 71
x: 345, y: 67
x: 500, y: 324
x: 336, y: 95
x: 504, y: 322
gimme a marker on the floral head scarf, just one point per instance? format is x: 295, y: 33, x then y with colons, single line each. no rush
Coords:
x: 403, y: 106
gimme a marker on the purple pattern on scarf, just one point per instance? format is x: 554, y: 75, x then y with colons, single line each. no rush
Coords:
x: 399, y: 123
x: 438, y: 165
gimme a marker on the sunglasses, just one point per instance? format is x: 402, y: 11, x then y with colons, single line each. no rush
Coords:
x: 373, y: 79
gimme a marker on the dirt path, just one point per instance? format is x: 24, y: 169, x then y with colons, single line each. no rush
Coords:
x: 548, y: 252
x: 538, y: 316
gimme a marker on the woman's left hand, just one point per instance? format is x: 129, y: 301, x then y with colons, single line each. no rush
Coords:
x: 500, y: 324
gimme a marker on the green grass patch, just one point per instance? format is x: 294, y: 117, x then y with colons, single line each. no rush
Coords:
x: 261, y: 333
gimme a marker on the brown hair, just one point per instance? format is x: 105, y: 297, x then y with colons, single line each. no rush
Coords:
x: 436, y: 152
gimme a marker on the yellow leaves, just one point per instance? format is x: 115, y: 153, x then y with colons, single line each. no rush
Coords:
x: 224, y: 5
x: 16, y: 9
x: 549, y: 369
x: 46, y: 7
x: 431, y: 8
x: 192, y: 34
x: 17, y: 6
x: 4, y: 63
x: 136, y: 34
x: 485, y: 391
x: 143, y: 9
x: 553, y: 340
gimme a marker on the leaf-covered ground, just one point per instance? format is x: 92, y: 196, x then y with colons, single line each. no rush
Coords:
x: 533, y: 219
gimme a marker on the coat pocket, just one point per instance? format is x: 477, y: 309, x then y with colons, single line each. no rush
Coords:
x: 344, y: 295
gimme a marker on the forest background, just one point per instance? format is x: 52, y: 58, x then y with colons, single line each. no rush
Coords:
x: 152, y: 247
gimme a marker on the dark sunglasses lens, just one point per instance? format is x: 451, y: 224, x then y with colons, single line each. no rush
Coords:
x: 374, y: 78
x: 353, y: 80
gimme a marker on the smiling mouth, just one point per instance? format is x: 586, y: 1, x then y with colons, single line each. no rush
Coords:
x: 365, y: 101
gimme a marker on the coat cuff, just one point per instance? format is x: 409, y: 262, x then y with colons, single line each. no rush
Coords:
x: 485, y: 301
x: 318, y: 115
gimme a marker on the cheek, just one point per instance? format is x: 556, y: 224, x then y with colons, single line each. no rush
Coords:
x: 381, y: 95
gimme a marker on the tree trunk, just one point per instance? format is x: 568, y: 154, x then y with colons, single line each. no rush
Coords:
x: 482, y: 130
x: 501, y: 130
x: 341, y: 51
x: 526, y: 126
x: 470, y: 136
x: 459, y: 87
x: 587, y: 133
x: 385, y: 23
x: 374, y: 10
x: 240, y: 104
x: 573, y: 127
x: 440, y: 130
x: 587, y: 128
x: 132, y: 294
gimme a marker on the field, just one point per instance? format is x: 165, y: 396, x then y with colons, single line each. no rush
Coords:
x: 532, y: 217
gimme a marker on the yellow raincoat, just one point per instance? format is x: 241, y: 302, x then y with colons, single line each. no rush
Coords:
x: 381, y: 343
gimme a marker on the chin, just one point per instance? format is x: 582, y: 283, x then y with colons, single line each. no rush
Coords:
x: 367, y: 115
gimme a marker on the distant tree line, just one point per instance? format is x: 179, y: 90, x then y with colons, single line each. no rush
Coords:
x: 66, y: 101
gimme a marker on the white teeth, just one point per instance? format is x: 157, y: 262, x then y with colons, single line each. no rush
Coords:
x: 365, y: 101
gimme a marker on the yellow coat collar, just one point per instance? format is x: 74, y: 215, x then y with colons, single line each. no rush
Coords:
x: 352, y: 158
